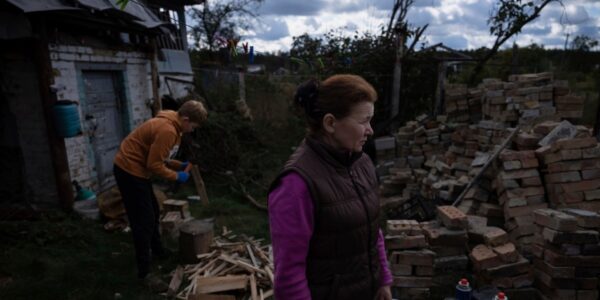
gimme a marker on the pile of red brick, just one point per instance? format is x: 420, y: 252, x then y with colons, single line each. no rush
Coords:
x: 428, y: 254
x: 462, y: 104
x: 497, y: 262
x: 572, y: 172
x: 520, y: 192
x: 567, y: 251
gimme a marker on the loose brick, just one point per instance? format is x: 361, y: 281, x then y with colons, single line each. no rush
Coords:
x: 524, y: 173
x: 445, y: 237
x: 424, y: 270
x: 457, y: 262
x: 553, y: 271
x: 573, y: 237
x: 509, y: 269
x: 555, y: 220
x: 511, y: 164
x: 593, y: 152
x: 401, y: 269
x: 531, y: 181
x: 574, y: 143
x: 585, y: 218
x: 511, y: 212
x: 571, y: 176
x: 529, y: 163
x: 410, y: 281
x: 592, y: 195
x: 398, y: 242
x: 452, y: 217
x: 590, y: 174
x: 421, y: 257
x: 507, y: 252
x: 584, y: 185
x: 397, y: 227
x: 516, y: 155
x: 483, y: 257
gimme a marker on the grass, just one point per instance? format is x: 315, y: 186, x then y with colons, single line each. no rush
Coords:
x: 65, y: 257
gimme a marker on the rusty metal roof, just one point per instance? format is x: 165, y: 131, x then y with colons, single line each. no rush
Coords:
x: 135, y: 11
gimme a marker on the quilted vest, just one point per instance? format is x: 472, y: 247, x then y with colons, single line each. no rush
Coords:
x: 343, y: 261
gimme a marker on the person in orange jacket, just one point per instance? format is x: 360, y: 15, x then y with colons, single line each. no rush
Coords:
x: 145, y: 152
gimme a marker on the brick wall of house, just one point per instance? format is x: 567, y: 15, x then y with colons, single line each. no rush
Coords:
x: 137, y: 89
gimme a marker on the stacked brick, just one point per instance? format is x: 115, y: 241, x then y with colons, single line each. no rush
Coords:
x: 567, y: 254
x: 448, y: 239
x: 428, y: 255
x: 532, y: 95
x: 572, y: 172
x: 568, y: 105
x: 497, y: 262
x: 520, y: 192
x: 462, y: 104
x: 411, y: 263
x: 496, y: 105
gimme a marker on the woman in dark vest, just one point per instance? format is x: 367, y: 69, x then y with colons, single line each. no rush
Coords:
x: 324, y: 206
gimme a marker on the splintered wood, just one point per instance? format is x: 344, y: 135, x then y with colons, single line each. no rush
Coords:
x: 237, y: 267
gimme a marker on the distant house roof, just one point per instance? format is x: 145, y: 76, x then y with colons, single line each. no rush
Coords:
x: 135, y: 11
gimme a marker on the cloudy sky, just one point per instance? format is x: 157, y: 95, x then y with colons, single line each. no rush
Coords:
x: 459, y: 24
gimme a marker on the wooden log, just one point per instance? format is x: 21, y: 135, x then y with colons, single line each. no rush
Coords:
x: 195, y: 237
x: 175, y: 281
x: 199, y: 183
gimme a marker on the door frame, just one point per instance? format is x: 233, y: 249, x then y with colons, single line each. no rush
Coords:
x: 120, y: 84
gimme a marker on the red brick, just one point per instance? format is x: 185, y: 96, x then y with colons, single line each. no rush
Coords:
x: 570, y: 154
x: 424, y: 270
x: 445, y: 237
x: 483, y: 257
x: 592, y: 152
x: 509, y: 269
x: 524, y: 192
x: 585, y: 185
x: 396, y: 242
x: 570, y: 176
x: 531, y: 181
x: 452, y: 217
x: 523, y: 280
x: 495, y: 236
x: 511, y: 164
x: 585, y: 218
x: 590, y: 174
x: 574, y: 143
x: 516, y: 155
x: 522, y: 210
x: 592, y: 195
x: 553, y: 271
x: 507, y: 252
x: 401, y: 269
x: 396, y: 227
x: 530, y: 163
x: 421, y: 257
x: 410, y: 281
x: 574, y: 237
x: 519, y: 174
x: 554, y: 219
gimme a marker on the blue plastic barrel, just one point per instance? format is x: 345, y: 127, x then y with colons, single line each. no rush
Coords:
x: 66, y: 117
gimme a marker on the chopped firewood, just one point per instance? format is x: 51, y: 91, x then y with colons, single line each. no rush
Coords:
x: 230, y: 257
x: 208, y: 285
x: 175, y: 281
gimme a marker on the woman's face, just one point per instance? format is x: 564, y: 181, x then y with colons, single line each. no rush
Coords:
x: 351, y: 132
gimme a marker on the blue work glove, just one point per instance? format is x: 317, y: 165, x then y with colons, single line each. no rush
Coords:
x: 184, y: 165
x: 182, y: 177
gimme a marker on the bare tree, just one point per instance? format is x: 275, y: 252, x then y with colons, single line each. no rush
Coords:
x: 398, y: 23
x: 222, y: 19
x: 508, y: 19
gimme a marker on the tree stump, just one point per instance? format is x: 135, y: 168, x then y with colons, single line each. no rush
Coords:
x: 195, y: 237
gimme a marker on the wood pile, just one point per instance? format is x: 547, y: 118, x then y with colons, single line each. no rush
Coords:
x: 237, y: 267
x: 567, y: 253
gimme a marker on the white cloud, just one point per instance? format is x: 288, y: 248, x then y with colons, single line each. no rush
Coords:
x: 456, y: 23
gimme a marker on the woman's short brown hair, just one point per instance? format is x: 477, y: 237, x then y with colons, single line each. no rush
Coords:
x: 194, y: 110
x: 336, y: 95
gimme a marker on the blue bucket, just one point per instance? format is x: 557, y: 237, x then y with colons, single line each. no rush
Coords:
x: 66, y: 118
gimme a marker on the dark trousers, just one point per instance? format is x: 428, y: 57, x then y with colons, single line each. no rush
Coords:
x: 143, y: 214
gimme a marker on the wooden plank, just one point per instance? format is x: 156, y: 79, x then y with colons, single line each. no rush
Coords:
x: 206, y: 285
x: 253, y: 291
x: 175, y: 281
x: 199, y: 183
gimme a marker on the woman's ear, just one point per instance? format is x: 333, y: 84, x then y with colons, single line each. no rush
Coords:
x: 329, y: 123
